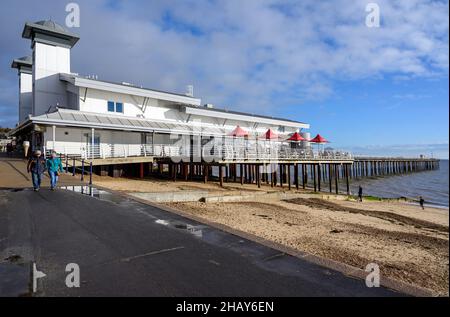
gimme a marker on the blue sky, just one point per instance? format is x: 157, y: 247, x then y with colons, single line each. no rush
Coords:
x: 380, y: 91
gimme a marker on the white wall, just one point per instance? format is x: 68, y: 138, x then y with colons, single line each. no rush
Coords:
x: 74, y: 140
x: 25, y: 96
x: 48, y: 90
x: 97, y: 101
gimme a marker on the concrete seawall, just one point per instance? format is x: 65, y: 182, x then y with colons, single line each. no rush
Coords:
x: 207, y: 197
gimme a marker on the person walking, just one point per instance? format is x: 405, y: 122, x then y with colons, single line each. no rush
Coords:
x: 360, y: 193
x: 421, y: 202
x: 54, y: 167
x: 36, y: 166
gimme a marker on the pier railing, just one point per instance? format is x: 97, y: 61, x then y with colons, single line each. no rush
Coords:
x: 217, y: 152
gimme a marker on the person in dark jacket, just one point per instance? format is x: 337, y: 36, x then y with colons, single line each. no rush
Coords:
x: 36, y: 166
x: 421, y: 202
x: 360, y: 193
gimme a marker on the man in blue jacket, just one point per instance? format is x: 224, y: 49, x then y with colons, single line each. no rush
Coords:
x: 54, y: 167
x: 36, y: 166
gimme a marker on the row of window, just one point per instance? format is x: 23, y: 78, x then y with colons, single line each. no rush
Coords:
x: 115, y: 106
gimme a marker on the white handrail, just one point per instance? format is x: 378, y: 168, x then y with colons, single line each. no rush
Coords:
x: 229, y: 151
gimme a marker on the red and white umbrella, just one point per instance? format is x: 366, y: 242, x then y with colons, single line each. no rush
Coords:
x: 318, y: 139
x: 239, y: 132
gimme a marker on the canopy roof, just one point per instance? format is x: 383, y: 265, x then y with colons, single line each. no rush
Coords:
x: 296, y: 137
x: 319, y: 139
x: 75, y: 118
x: 238, y: 131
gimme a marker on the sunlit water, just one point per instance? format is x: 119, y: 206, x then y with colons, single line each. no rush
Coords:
x: 431, y: 185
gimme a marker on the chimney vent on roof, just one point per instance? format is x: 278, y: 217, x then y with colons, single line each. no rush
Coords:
x: 190, y: 90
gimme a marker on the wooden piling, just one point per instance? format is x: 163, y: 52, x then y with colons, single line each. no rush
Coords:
x: 319, y: 173
x: 336, y: 178
x: 289, y: 176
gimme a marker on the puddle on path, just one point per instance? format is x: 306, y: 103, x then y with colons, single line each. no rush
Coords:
x: 194, y: 230
x: 94, y: 192
x: 14, y: 278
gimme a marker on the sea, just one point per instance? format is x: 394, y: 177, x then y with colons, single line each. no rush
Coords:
x: 432, y: 185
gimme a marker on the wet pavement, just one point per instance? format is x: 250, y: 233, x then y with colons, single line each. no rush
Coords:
x: 126, y: 248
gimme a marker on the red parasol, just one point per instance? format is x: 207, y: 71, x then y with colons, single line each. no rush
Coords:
x: 319, y: 139
x: 269, y: 135
x: 239, y: 132
x: 296, y: 137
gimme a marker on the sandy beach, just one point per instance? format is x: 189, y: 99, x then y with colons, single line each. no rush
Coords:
x: 409, y: 244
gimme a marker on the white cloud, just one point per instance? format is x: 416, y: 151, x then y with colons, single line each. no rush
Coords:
x: 254, y: 54
x: 250, y: 51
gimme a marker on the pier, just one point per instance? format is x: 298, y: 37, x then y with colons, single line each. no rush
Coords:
x: 275, y: 165
x: 318, y: 175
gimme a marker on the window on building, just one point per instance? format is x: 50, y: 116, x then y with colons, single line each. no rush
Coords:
x: 115, y: 106
x: 111, y: 106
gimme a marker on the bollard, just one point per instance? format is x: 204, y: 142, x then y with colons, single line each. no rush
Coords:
x: 82, y: 170
x: 90, y: 173
x: 73, y: 167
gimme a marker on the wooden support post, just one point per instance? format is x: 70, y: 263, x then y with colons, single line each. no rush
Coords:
x: 289, y: 175
x: 221, y: 175
x: 246, y: 173
x: 303, y: 176
x: 313, y: 166
x: 336, y: 171
x: 296, y: 175
x: 319, y: 173
x: 258, y: 175
x: 330, y: 176
x: 271, y: 177
x: 275, y: 177
x: 347, y: 179
x: 306, y: 176
x: 205, y: 173
x: 241, y: 173
x: 141, y: 170
x: 281, y: 175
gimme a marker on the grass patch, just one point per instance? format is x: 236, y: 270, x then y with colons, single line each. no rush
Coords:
x: 372, y: 198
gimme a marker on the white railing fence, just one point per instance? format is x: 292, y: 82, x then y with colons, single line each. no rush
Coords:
x: 229, y: 151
